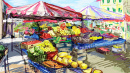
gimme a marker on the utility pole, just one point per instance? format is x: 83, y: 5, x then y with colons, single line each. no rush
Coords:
x: 1, y: 18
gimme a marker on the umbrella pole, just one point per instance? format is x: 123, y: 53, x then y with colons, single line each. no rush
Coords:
x: 38, y: 30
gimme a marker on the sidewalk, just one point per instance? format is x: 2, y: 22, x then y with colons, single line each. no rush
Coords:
x: 15, y: 60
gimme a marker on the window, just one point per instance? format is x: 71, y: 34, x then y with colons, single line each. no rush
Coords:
x: 102, y: 1
x: 119, y: 9
x: 107, y: 8
x: 114, y: 10
x: 120, y: 1
x: 128, y: 12
x: 114, y: 1
x: 108, y: 1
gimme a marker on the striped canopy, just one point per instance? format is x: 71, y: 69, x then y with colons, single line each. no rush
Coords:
x: 68, y: 7
x: 92, y: 12
x: 42, y: 9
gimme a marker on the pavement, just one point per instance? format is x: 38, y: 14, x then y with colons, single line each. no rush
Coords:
x: 15, y: 60
x: 106, y: 63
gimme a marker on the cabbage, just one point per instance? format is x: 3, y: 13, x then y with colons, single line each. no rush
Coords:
x: 36, y: 48
x: 36, y: 54
x: 31, y: 50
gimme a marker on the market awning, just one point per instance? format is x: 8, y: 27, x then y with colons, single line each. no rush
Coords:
x: 92, y: 12
x: 68, y: 7
x: 41, y: 10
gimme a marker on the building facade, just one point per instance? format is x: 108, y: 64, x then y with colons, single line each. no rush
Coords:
x: 116, y: 6
x: 112, y: 5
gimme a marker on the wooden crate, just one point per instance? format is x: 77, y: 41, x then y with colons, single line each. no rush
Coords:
x: 25, y: 46
x: 6, y: 51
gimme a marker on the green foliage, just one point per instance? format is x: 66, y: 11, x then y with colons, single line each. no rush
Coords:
x: 17, y: 27
x: 98, y: 26
x: 34, y: 24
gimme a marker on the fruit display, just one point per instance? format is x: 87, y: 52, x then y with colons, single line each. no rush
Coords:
x: 83, y: 66
x: 47, y: 46
x: 95, y: 38
x: 45, y: 36
x: 74, y: 64
x: 52, y: 64
x: 97, y: 71
x: 63, y: 58
x: 47, y: 54
x: 76, y: 30
x: 50, y: 55
x: 115, y: 46
x: 88, y: 70
x: 51, y: 32
x: 68, y: 24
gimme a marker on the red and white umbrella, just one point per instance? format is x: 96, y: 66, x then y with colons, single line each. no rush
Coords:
x: 43, y: 9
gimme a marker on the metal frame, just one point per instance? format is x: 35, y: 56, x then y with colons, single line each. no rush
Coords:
x: 4, y: 60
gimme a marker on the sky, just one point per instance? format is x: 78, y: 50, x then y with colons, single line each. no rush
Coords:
x: 77, y: 5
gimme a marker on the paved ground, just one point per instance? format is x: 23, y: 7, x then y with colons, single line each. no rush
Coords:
x: 16, y: 62
x: 108, y: 63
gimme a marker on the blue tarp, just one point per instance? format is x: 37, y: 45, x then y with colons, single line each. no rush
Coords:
x: 39, y: 67
x: 35, y: 36
x: 99, y: 44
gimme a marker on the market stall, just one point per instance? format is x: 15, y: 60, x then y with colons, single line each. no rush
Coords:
x: 43, y: 54
x: 106, y: 39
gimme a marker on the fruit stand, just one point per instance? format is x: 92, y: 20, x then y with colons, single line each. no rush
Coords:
x: 43, y: 54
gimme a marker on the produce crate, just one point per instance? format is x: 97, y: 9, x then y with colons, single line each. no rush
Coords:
x: 25, y: 46
x: 3, y: 52
x: 6, y: 51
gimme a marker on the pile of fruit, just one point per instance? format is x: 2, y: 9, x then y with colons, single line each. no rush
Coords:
x: 66, y: 60
x: 95, y: 38
x: 63, y: 58
x: 115, y: 46
x: 45, y: 36
x: 76, y: 30
x: 51, y: 32
x: 47, y: 46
